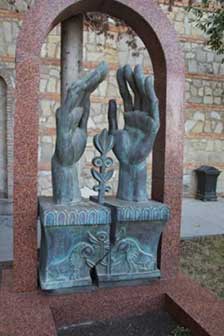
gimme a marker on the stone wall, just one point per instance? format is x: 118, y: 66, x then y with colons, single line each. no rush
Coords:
x: 204, y: 116
x: 3, y: 157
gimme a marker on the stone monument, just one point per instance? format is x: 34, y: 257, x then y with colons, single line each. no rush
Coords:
x: 105, y: 239
x: 176, y: 293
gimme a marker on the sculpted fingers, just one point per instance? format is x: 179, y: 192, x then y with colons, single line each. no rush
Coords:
x: 79, y: 89
x: 140, y: 80
x: 94, y: 78
x: 112, y: 116
x: 75, y: 117
x: 86, y: 110
x: 91, y: 81
x: 129, y: 76
x: 74, y: 95
x: 124, y: 92
x: 152, y: 99
x: 149, y: 88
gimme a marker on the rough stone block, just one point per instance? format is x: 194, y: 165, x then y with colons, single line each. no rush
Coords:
x: 192, y: 66
x: 208, y: 100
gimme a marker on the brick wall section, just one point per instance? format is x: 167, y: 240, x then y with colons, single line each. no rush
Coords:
x: 204, y: 116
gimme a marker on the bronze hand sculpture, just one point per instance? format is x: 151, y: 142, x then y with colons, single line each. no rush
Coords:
x: 133, y: 143
x: 71, y: 126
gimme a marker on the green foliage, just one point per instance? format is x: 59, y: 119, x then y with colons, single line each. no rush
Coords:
x: 101, y: 24
x: 19, y: 5
x: 209, y: 17
x: 180, y: 331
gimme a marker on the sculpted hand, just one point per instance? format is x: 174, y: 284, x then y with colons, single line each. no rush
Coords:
x: 135, y: 141
x: 71, y: 126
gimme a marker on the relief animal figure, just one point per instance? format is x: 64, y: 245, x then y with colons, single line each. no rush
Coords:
x: 80, y: 259
x: 134, y: 142
x: 77, y: 258
x: 81, y: 256
x: 71, y: 129
x: 128, y: 253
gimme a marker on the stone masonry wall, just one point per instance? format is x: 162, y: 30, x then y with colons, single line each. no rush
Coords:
x: 3, y: 156
x: 204, y: 107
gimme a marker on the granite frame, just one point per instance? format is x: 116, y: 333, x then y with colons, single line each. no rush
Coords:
x: 160, y: 39
x: 34, y: 312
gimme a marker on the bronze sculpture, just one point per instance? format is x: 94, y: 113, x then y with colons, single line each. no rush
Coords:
x: 134, y: 142
x: 71, y: 125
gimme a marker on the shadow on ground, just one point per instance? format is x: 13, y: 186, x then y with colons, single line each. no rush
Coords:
x: 153, y: 324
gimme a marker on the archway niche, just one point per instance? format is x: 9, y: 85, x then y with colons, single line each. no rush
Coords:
x: 152, y: 26
x: 3, y: 138
x: 115, y: 46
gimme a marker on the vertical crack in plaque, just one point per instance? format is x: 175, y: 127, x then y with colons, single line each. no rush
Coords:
x: 93, y: 270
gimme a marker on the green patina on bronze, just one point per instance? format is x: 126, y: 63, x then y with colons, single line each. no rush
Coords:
x: 71, y: 127
x: 105, y: 239
x: 77, y: 238
x: 134, y: 142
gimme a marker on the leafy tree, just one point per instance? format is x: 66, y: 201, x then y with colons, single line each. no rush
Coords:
x: 208, y: 16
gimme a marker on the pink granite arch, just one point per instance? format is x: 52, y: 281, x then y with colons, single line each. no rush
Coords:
x: 152, y: 26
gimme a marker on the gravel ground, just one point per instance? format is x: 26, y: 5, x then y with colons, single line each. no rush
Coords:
x: 153, y: 324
